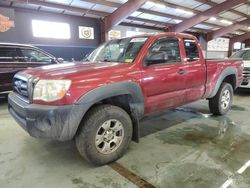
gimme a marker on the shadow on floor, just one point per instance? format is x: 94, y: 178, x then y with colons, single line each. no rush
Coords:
x: 242, y: 92
x: 3, y: 100
x: 167, y: 119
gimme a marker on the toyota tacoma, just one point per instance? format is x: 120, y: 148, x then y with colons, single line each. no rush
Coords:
x: 100, y: 102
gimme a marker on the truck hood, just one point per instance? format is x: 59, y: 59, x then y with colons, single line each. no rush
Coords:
x: 66, y: 70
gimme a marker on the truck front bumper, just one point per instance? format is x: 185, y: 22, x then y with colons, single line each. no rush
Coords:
x: 44, y: 121
x: 245, y: 83
x: 246, y: 76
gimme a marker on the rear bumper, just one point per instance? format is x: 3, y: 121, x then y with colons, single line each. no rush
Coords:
x: 43, y: 121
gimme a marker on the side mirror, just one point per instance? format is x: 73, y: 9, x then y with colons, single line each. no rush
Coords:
x: 156, y: 58
x: 60, y: 60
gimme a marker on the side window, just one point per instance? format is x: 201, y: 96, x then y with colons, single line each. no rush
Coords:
x: 191, y: 49
x: 8, y: 54
x: 30, y: 55
x: 169, y: 46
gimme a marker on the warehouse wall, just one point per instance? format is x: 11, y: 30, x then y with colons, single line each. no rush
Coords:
x: 74, y: 47
x: 211, y: 54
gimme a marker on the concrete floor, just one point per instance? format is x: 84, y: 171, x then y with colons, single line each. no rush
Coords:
x: 185, y: 147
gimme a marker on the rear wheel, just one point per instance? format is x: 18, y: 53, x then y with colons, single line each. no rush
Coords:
x: 221, y: 103
x: 104, y: 135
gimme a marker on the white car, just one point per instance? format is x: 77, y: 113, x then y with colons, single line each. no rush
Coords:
x: 245, y: 55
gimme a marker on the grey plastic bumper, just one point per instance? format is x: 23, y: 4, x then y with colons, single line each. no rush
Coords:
x: 42, y: 121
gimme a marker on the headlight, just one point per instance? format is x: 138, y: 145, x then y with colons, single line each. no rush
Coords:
x: 51, y: 90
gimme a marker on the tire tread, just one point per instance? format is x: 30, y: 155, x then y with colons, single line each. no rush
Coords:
x: 82, y: 140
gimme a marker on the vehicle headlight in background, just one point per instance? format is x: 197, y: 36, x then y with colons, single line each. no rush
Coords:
x: 51, y: 90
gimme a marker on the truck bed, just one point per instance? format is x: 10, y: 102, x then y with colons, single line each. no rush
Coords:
x: 216, y: 67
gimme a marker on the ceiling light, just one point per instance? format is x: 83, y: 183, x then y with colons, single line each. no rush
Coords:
x: 153, y: 4
x: 212, y: 19
x: 160, y: 5
x: 226, y: 22
x: 150, y: 3
x: 248, y: 28
x: 177, y: 21
x: 184, y: 11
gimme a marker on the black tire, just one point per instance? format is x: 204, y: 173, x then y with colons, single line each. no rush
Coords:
x: 215, y: 103
x: 92, y: 125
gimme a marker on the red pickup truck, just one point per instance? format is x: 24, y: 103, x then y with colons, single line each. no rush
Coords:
x: 100, y: 102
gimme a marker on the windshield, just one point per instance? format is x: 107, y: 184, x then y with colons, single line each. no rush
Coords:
x: 244, y: 54
x: 121, y: 50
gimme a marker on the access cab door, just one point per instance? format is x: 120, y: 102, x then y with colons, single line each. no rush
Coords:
x: 195, y: 70
x: 164, y: 82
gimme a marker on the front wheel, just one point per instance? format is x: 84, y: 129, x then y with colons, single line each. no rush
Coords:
x: 221, y: 103
x: 104, y: 135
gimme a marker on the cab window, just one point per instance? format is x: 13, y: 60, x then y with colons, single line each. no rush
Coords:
x: 169, y: 47
x: 192, y: 53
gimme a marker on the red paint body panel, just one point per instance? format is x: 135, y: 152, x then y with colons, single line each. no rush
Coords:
x: 214, y: 70
x: 161, y: 84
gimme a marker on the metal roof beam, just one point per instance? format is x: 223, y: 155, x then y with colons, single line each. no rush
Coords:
x: 148, y: 21
x: 103, y: 2
x: 148, y: 11
x: 240, y: 38
x: 212, y: 4
x: 60, y: 6
x: 228, y: 29
x: 122, y: 13
x: 205, y: 15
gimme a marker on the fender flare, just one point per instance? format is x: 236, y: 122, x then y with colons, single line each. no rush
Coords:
x: 226, y: 72
x: 116, y: 89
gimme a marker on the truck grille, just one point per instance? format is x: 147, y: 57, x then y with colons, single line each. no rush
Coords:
x: 21, y: 86
x: 246, y: 72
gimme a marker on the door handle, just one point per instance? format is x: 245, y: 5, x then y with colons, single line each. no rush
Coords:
x: 181, y: 71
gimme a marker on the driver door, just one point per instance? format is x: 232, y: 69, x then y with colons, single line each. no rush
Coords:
x: 164, y: 83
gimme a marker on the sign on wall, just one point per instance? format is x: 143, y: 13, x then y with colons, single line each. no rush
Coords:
x: 6, y: 19
x: 86, y: 32
x: 219, y: 44
x: 5, y: 23
x: 114, y: 34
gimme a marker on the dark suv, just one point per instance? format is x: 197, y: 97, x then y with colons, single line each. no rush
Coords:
x: 17, y: 57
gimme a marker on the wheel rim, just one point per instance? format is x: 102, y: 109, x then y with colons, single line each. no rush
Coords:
x: 225, y: 99
x: 109, y: 136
